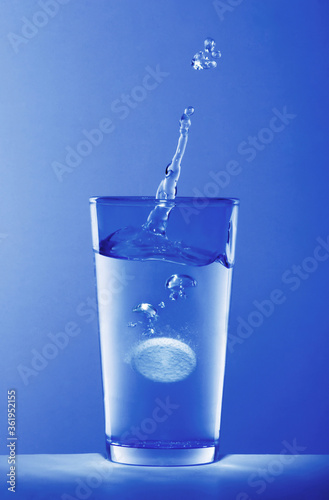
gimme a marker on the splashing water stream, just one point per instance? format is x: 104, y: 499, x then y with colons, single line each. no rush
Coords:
x: 158, y: 218
x: 150, y: 238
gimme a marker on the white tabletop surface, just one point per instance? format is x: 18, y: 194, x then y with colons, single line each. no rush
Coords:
x: 234, y: 477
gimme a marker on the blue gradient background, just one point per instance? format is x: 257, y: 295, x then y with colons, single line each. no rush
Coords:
x: 275, y: 54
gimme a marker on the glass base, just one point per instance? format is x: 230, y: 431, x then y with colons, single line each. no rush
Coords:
x: 165, y: 457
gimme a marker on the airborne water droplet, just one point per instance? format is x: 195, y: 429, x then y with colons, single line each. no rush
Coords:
x: 206, y: 59
x: 199, y: 55
x: 210, y: 64
x: 216, y: 54
x: 189, y: 111
x: 209, y: 44
x: 197, y: 62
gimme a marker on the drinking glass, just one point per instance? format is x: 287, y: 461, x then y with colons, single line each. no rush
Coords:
x: 163, y: 318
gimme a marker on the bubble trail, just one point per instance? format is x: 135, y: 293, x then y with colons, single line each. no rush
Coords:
x: 149, y: 316
x: 205, y: 59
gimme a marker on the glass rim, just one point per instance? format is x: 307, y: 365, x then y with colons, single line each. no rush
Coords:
x: 145, y: 200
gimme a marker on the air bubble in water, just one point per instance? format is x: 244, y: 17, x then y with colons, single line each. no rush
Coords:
x: 149, y: 332
x: 147, y: 309
x: 149, y: 316
x: 163, y: 359
x: 177, y: 284
x: 205, y: 59
x: 162, y: 305
x: 131, y: 324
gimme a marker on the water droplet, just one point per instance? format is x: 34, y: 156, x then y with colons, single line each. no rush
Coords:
x: 209, y: 45
x: 199, y: 56
x: 189, y: 111
x: 177, y: 284
x: 205, y: 60
x: 210, y: 64
x: 185, y: 121
x: 163, y: 359
x: 197, y: 63
x: 132, y: 325
x: 216, y: 54
x: 147, y: 309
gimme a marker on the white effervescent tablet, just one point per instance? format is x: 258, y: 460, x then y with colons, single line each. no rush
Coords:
x: 163, y: 359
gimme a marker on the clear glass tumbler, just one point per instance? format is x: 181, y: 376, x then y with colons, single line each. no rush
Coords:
x: 163, y: 316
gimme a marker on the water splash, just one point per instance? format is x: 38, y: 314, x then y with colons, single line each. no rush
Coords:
x: 206, y: 59
x: 177, y: 283
x: 150, y: 238
x: 149, y: 241
x: 167, y: 189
